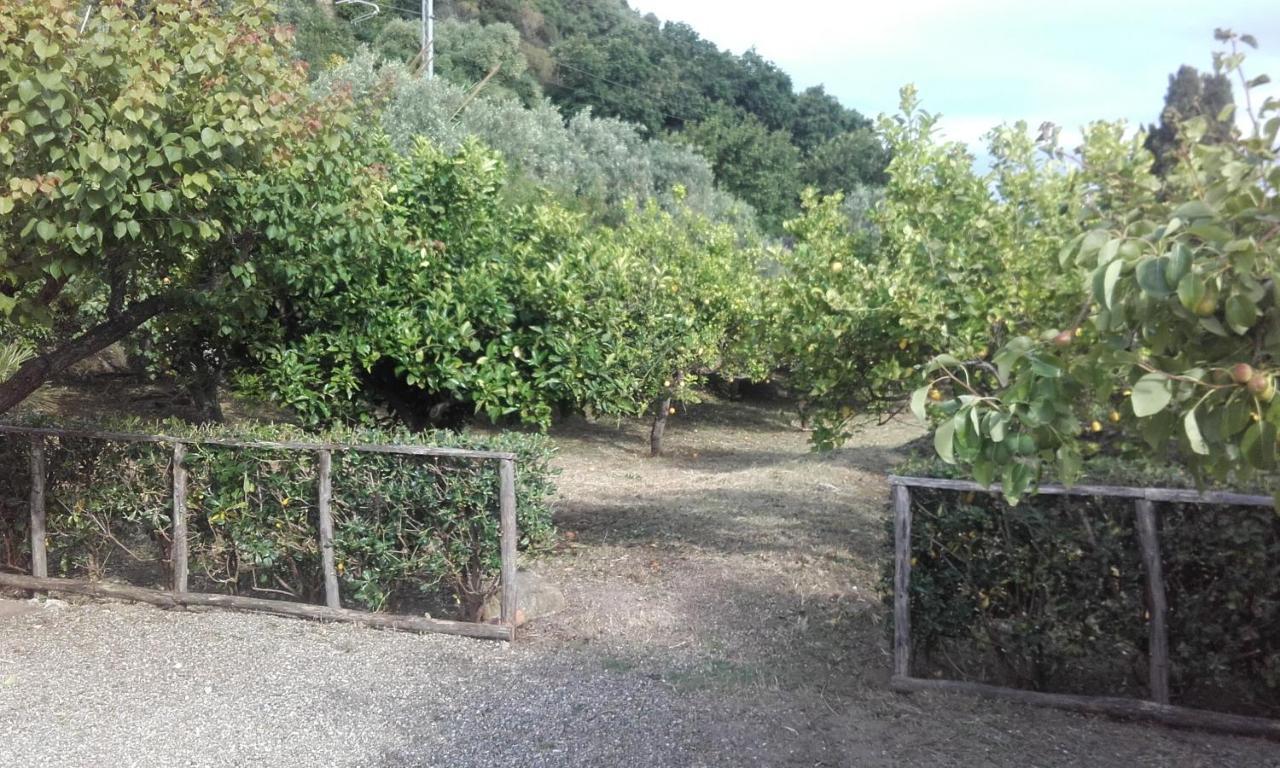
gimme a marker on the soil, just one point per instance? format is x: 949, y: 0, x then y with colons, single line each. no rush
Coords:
x: 743, y: 570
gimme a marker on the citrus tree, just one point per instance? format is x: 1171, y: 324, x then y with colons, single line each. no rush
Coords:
x: 120, y: 147
x: 952, y: 260
x: 411, y: 283
x: 692, y: 308
x: 1173, y: 334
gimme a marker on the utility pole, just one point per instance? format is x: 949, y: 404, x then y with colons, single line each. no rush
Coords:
x: 429, y: 37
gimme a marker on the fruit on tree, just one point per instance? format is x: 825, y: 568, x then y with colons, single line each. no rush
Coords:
x: 1242, y: 373
x: 1064, y: 339
x: 1262, y: 386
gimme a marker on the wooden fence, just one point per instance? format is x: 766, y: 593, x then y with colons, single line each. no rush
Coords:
x: 332, y: 610
x: 1157, y: 707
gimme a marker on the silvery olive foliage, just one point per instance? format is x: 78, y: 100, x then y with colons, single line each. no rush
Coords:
x: 602, y: 162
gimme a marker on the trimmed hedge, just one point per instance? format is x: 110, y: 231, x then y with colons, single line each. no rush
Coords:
x: 1049, y: 595
x: 410, y: 532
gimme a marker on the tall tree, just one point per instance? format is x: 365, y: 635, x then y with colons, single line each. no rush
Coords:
x: 1190, y: 94
x: 759, y: 165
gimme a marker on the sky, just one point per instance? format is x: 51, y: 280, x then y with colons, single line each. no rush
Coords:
x: 984, y: 62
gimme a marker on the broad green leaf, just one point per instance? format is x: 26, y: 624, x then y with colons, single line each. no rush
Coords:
x: 944, y: 441
x: 918, y: 400
x: 1151, y: 394
x: 1179, y: 264
x: 1191, y: 291
x: 1194, y: 438
x: 1109, y: 281
x: 1259, y: 445
x: 1194, y: 209
x: 1241, y: 313
x: 1152, y: 276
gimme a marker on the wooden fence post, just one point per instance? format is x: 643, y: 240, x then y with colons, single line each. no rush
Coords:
x: 179, y: 552
x: 507, y: 532
x: 902, y: 581
x: 1157, y: 606
x: 332, y: 597
x: 39, y: 557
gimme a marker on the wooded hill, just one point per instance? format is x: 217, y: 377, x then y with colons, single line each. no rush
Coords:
x: 764, y: 140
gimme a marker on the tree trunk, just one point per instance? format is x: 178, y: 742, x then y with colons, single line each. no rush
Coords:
x: 204, y: 393
x: 663, y: 410
x: 38, y: 370
x: 659, y: 426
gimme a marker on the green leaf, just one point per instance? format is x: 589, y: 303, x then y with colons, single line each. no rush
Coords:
x: 1194, y: 209
x: 1152, y: 276
x: 984, y: 472
x: 1179, y: 264
x: 1109, y: 281
x: 1194, y: 438
x: 1070, y: 465
x: 1214, y: 326
x: 944, y: 441
x: 27, y: 91
x: 918, y: 400
x: 1151, y: 394
x: 1017, y: 479
x: 1191, y: 291
x: 46, y: 230
x: 1259, y: 445
x: 1241, y: 313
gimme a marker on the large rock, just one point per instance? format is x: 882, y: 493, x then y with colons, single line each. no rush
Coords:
x: 112, y: 361
x: 535, y: 598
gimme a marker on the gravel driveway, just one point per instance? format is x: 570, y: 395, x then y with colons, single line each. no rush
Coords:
x: 124, y: 685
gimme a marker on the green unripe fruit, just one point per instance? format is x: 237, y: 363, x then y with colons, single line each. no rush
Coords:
x: 1262, y: 387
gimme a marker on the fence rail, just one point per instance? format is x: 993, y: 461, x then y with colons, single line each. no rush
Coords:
x: 332, y: 610
x: 1157, y: 708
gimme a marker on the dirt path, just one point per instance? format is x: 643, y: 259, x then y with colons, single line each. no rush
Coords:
x: 741, y: 571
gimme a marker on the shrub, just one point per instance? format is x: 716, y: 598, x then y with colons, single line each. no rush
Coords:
x: 407, y: 529
x: 1049, y: 594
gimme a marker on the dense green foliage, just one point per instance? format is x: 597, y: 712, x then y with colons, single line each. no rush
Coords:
x: 599, y: 165
x: 121, y: 149
x: 949, y: 259
x: 406, y: 528
x: 602, y: 58
x: 364, y: 270
x: 1050, y: 594
x: 1059, y: 296
x: 419, y: 286
x: 1174, y: 336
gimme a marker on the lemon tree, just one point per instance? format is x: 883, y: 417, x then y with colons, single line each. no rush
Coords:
x: 1175, y: 339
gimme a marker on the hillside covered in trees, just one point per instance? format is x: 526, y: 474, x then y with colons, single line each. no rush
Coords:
x: 764, y: 140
